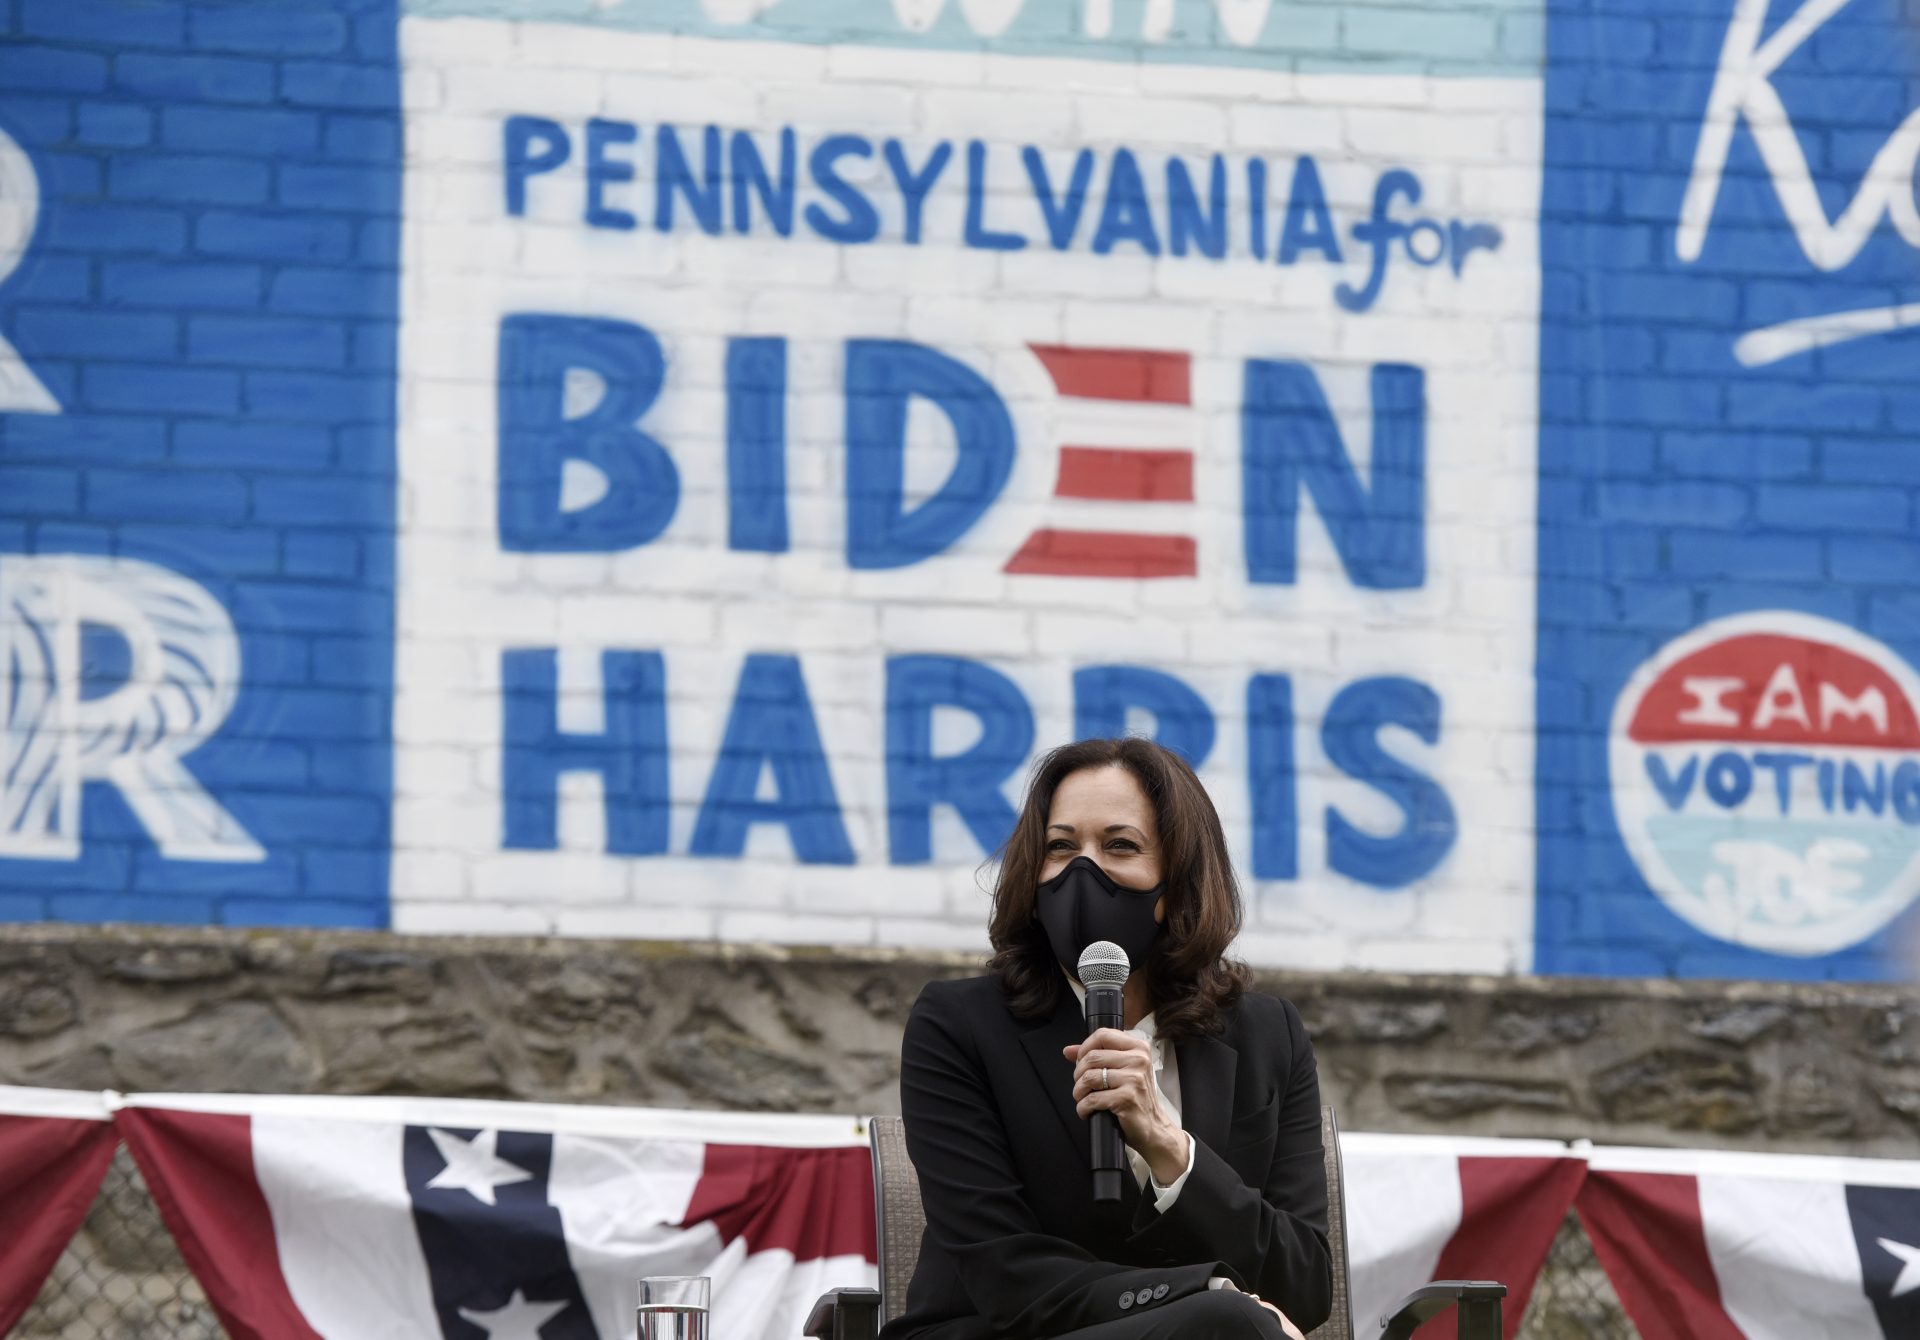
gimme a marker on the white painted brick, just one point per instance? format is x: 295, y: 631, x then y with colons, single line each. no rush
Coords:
x: 886, y: 65
x: 652, y: 99
x: 635, y: 923
x: 459, y: 41
x: 475, y: 88
x: 795, y: 929
x: 434, y: 918
x: 1105, y: 119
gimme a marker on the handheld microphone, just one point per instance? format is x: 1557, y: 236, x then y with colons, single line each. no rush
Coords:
x: 1103, y: 971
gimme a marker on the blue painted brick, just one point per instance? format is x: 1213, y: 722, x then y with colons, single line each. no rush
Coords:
x: 257, y: 132
x: 379, y: 242
x: 207, y: 495
x: 366, y: 448
x: 273, y: 236
x: 1831, y: 507
x: 61, y: 378
x: 268, y: 765
x: 303, y: 500
x: 332, y: 912
x: 1736, y: 456
x: 74, y: 537
x: 339, y: 84
x: 91, y: 333
x: 121, y: 23
x: 57, y: 278
x: 318, y: 396
x: 127, y: 387
x: 45, y: 120
x: 29, y: 65
x: 22, y: 907
x: 376, y: 347
x: 323, y: 556
x: 70, y: 176
x: 1876, y: 460
x: 1680, y: 502
x: 226, y: 551
x: 1830, y: 407
x: 275, y: 342
x: 363, y: 139
x: 376, y: 38
x: 115, y: 125
x: 257, y: 446
x: 1750, y: 554
x: 330, y: 714
x: 1874, y: 559
x: 356, y: 189
x: 112, y: 229
x: 334, y: 292
x: 1666, y: 297
x: 339, y: 818
x: 351, y: 662
x: 275, y: 30
x: 194, y: 78
x: 310, y: 607
x: 189, y: 178
x: 39, y: 490
x: 346, y: 871
x: 77, y: 436
x: 1669, y: 401
x: 1816, y: 597
x: 1895, y: 616
x: 171, y: 285
x: 153, y: 909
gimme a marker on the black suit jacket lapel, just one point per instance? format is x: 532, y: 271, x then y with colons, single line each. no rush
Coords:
x: 1207, y: 1068
x: 1053, y: 1070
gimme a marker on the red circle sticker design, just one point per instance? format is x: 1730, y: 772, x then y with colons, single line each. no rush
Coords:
x: 1765, y: 772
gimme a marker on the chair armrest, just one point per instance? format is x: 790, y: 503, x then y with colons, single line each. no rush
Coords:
x: 1478, y: 1301
x: 847, y: 1314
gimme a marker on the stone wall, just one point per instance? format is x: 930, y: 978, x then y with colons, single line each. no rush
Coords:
x: 1817, y: 1068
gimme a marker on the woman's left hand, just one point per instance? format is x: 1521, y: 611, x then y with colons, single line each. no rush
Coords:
x: 1124, y: 1063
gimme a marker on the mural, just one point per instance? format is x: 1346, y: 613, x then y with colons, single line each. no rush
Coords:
x: 1727, y: 549
x: 666, y: 470
x: 853, y: 444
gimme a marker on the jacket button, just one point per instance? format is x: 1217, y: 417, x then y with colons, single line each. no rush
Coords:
x: 1144, y: 1296
x: 1159, y: 1291
x: 1126, y: 1300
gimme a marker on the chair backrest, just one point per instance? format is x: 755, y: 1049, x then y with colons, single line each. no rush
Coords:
x: 900, y: 1221
x: 1339, y: 1322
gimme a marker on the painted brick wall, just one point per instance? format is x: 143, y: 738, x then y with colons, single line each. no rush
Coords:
x: 663, y: 470
x: 205, y: 319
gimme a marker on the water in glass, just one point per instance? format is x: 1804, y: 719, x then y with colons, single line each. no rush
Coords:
x: 672, y: 1321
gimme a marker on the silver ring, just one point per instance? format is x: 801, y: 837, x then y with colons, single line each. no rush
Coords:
x: 1104, y: 1082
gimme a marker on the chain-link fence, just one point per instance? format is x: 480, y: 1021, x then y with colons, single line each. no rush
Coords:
x: 121, y: 1278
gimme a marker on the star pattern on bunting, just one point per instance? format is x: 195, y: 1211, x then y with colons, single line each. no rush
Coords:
x: 472, y: 1166
x: 1909, y: 1255
x: 517, y: 1318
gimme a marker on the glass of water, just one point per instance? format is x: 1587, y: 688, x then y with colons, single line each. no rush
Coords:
x: 674, y: 1307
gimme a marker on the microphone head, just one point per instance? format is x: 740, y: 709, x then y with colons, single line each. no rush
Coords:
x: 1104, y: 963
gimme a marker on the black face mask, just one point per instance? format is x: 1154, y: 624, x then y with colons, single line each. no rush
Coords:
x: 1081, y: 905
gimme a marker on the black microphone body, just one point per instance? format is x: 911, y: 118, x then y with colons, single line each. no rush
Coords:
x: 1109, y: 1151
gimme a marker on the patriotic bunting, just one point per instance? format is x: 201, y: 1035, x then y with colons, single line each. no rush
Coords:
x: 394, y: 1219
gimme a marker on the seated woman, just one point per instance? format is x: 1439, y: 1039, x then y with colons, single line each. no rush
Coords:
x: 1222, y: 1229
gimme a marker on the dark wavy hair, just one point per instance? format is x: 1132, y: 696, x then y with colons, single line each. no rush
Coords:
x: 1190, y: 981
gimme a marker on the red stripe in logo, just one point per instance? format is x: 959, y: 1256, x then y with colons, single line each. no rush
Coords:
x: 1119, y: 474
x: 1119, y: 374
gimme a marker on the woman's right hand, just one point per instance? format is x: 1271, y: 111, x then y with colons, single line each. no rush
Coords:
x: 1287, y: 1327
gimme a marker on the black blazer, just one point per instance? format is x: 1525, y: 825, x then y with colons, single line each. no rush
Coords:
x: 1014, y: 1245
